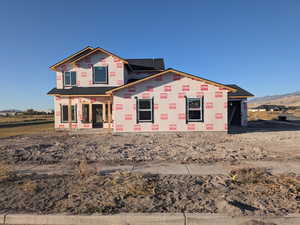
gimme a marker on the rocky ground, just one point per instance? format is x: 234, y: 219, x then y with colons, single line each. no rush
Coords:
x: 61, y: 147
x: 252, y: 192
x: 85, y: 189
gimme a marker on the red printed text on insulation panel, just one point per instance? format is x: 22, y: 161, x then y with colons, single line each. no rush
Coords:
x: 181, y: 95
x: 119, y: 106
x: 185, y: 87
x: 83, y: 74
x: 209, y: 126
x: 209, y: 105
x: 218, y: 94
x: 181, y: 116
x: 112, y: 74
x: 163, y: 95
x: 172, y: 105
x: 219, y: 115
x: 172, y: 127
x: 167, y: 88
x: 204, y: 87
x: 164, y: 116
x: 128, y: 117
x: 119, y: 127
x: 137, y: 127
x: 155, y: 127
x: 191, y: 126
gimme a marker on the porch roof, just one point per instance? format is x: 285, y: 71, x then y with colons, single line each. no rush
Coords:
x: 81, y: 91
x: 240, y: 92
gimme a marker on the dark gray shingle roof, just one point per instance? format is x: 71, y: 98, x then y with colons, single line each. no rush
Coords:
x: 81, y: 91
x: 147, y: 64
x: 240, y: 91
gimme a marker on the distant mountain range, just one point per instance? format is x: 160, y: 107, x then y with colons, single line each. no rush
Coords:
x: 290, y: 99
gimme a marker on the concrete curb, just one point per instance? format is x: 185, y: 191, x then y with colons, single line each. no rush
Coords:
x: 119, y: 219
x: 143, y: 219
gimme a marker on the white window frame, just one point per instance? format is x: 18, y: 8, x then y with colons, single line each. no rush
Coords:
x: 64, y: 77
x: 188, y: 109
x: 143, y: 110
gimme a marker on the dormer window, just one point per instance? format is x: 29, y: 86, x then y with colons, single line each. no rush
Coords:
x: 69, y: 78
x: 100, y: 75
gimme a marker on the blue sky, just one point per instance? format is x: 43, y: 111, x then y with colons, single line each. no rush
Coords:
x: 255, y: 44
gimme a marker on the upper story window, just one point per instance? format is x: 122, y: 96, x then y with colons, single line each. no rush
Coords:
x: 69, y: 78
x: 194, y: 108
x: 100, y: 75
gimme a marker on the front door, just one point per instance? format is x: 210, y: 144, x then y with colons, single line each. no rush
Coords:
x: 97, y: 115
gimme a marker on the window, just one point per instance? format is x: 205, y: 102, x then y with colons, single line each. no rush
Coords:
x: 100, y: 75
x: 145, y: 110
x: 194, y: 108
x: 69, y: 78
x: 85, y: 113
x: 65, y: 113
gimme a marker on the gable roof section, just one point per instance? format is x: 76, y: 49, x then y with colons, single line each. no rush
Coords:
x: 240, y: 93
x: 82, y: 54
x: 72, y: 57
x: 99, y: 50
x: 176, y: 72
x: 147, y: 64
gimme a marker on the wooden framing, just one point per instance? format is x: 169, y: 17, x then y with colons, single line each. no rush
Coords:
x: 109, y: 113
x: 176, y: 72
x: 90, y: 112
x: 70, y: 112
x: 69, y: 57
x: 108, y: 95
x: 240, y: 96
x: 96, y: 50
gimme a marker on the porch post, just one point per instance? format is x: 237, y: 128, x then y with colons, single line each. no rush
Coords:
x: 70, y: 113
x: 90, y: 112
x: 104, y: 112
x: 109, y: 114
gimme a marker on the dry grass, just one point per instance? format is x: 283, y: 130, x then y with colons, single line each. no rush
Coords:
x: 263, y: 115
x: 29, y: 186
x: 25, y: 118
x: 249, y: 175
x: 85, y: 170
x: 32, y: 129
x: 6, y: 171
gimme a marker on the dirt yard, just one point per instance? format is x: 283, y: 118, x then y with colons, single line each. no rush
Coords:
x: 72, y: 184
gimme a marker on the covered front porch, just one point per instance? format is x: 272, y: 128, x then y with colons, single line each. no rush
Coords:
x: 83, y: 112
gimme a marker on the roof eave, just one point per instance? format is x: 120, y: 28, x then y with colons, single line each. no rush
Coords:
x: 69, y: 57
x: 174, y: 71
